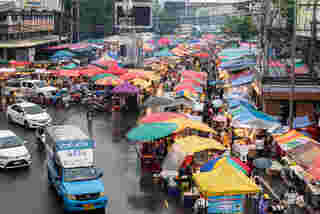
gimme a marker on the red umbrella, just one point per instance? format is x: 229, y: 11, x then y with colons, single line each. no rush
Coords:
x: 131, y: 76
x: 191, y: 81
x: 194, y: 74
x: 241, y: 164
x: 116, y: 70
x: 160, y: 117
x: 19, y: 63
x: 184, y: 86
x: 69, y: 73
x: 91, y: 70
x: 164, y: 41
x: 202, y: 55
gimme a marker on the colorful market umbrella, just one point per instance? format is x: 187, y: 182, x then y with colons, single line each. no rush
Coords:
x: 131, y: 76
x: 202, y: 55
x: 109, y: 81
x: 164, y: 41
x: 151, y: 131
x: 68, y: 73
x: 160, y: 117
x: 191, y: 81
x: 126, y: 88
x: 91, y: 70
x: 185, y: 86
x: 194, y: 74
x: 101, y: 76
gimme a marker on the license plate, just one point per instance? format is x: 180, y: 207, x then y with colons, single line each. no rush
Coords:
x: 88, y: 206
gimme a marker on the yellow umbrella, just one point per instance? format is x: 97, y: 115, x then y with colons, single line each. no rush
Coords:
x: 224, y: 181
x: 193, y: 144
x: 109, y: 81
x: 141, y: 82
x: 184, y: 123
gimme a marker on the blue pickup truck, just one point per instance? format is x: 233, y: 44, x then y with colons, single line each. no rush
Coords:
x: 71, y: 169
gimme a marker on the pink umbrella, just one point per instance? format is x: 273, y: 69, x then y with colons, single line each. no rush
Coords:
x: 69, y: 73
x: 191, y: 81
x: 164, y: 41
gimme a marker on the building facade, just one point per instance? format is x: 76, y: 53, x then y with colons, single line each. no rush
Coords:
x: 26, y: 25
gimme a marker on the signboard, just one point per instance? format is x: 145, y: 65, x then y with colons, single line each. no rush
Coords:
x: 76, y: 157
x: 32, y: 3
x: 75, y: 145
x: 225, y: 204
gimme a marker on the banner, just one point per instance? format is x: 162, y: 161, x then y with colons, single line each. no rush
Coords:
x: 225, y: 204
x: 32, y: 3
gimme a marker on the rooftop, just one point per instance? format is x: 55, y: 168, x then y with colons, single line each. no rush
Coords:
x: 30, y: 42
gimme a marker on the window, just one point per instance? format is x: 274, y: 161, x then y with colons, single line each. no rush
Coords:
x: 15, y: 108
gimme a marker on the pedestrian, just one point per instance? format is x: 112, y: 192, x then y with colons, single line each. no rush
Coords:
x: 291, y: 198
x: 259, y: 142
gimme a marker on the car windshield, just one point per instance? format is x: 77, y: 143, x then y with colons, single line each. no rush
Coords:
x: 35, y: 109
x: 40, y: 84
x: 81, y: 173
x: 10, y: 142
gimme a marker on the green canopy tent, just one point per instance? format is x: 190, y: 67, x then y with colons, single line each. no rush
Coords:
x: 151, y: 131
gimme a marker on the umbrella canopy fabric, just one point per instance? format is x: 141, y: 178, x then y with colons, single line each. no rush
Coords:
x: 126, y: 88
x: 130, y: 76
x: 157, y: 101
x: 101, y: 76
x: 202, y: 55
x: 161, y: 116
x: 109, y: 81
x: 214, y: 183
x: 69, y: 66
x: 151, y: 131
x: 91, y: 70
x: 191, y: 81
x: 184, y: 123
x: 68, y: 73
x: 184, y: 86
x: 194, y: 74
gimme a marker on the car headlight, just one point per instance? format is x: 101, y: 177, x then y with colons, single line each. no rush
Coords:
x: 101, y: 194
x: 26, y: 156
x: 71, y: 197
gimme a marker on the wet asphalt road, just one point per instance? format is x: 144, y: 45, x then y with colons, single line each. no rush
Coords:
x: 26, y: 190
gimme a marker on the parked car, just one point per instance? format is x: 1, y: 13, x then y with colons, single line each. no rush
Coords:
x: 31, y: 87
x: 28, y: 114
x: 13, y: 152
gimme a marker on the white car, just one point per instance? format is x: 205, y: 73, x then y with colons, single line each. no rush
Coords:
x: 28, y: 114
x: 13, y: 152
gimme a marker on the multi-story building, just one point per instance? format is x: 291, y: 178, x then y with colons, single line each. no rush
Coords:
x: 26, y: 25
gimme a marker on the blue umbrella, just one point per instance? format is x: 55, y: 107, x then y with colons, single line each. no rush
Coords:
x: 209, y: 165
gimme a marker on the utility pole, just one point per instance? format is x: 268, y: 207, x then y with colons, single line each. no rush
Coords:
x: 293, y: 62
